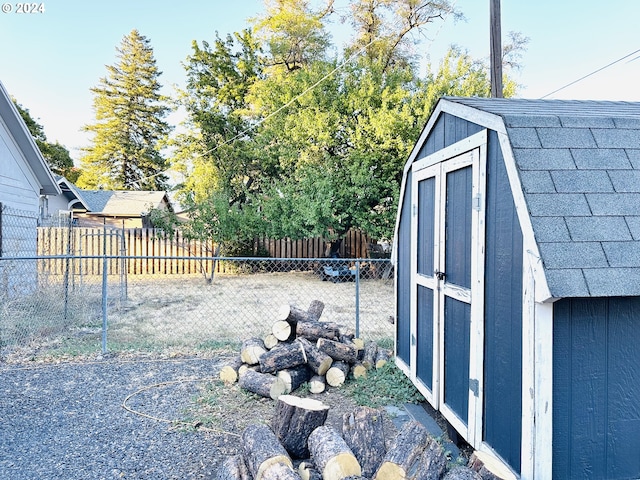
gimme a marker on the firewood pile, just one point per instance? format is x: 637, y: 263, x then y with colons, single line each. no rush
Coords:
x: 297, y: 445
x: 302, y: 349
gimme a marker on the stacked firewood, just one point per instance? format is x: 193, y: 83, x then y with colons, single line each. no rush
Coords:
x: 300, y: 349
x: 299, y: 446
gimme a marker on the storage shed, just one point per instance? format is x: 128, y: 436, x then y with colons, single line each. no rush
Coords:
x: 518, y: 281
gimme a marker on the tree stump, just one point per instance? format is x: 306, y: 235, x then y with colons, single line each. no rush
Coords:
x: 317, y: 384
x: 404, y: 454
x: 287, y: 356
x: 229, y: 373
x: 233, y: 468
x: 317, y: 361
x: 262, y: 384
x: 332, y: 455
x: 262, y: 450
x: 294, y: 420
x: 337, y: 350
x: 251, y: 350
x: 316, y: 307
x: 337, y: 374
x: 363, y: 430
x: 294, y: 377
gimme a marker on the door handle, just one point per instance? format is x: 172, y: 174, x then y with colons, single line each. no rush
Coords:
x: 439, y: 275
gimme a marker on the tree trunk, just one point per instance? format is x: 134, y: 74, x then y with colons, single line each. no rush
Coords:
x: 332, y: 455
x: 370, y: 352
x: 337, y: 350
x: 337, y: 374
x: 262, y: 384
x: 363, y: 430
x: 318, y: 361
x: 317, y: 384
x: 262, y: 450
x: 403, y: 456
x: 233, y: 468
x: 251, y: 350
x: 314, y: 330
x: 287, y: 356
x: 314, y: 312
x: 229, y: 373
x: 294, y: 377
x: 294, y: 420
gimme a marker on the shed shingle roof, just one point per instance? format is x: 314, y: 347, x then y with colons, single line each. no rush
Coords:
x: 579, y: 166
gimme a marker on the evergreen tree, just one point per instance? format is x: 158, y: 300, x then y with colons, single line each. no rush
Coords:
x: 129, y: 123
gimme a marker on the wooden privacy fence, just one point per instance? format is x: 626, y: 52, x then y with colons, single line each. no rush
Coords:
x: 148, y: 243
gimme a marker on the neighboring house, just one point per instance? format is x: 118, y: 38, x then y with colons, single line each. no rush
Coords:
x: 61, y: 207
x: 26, y: 183
x: 518, y: 281
x: 120, y: 208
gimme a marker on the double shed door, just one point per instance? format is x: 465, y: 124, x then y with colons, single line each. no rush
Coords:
x: 447, y: 287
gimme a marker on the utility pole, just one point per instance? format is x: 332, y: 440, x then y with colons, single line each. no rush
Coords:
x: 496, y: 48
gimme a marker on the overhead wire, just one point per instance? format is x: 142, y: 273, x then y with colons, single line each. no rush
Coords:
x: 592, y: 73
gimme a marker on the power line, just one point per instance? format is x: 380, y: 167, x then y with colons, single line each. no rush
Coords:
x: 592, y: 73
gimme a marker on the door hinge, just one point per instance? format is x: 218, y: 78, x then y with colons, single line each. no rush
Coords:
x: 476, y: 202
x: 474, y: 386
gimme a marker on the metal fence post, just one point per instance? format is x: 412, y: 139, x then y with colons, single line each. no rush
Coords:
x: 104, y: 292
x: 357, y: 298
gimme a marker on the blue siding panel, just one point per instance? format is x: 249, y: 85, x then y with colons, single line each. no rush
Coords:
x: 457, y: 325
x: 403, y: 308
x: 503, y: 314
x: 458, y: 227
x: 425, y: 336
x: 596, y: 387
x: 426, y: 225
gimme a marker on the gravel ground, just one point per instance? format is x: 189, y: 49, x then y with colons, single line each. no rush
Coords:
x: 67, y: 421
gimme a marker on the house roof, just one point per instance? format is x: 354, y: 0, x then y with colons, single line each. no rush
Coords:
x: 578, y: 164
x: 123, y: 203
x: 26, y: 144
x: 71, y: 193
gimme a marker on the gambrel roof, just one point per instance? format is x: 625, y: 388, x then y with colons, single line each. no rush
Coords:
x: 578, y: 171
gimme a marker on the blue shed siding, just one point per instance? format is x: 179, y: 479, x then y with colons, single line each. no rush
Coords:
x: 503, y: 314
x: 403, y: 279
x: 596, y: 388
x: 457, y: 263
x: 456, y: 356
x: 447, y: 130
x: 424, y: 367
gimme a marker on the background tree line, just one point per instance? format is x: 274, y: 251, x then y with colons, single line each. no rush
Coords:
x: 286, y: 134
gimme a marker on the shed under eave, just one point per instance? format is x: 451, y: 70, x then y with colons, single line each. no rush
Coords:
x: 490, y: 121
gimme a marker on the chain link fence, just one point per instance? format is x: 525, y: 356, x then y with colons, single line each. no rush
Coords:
x: 67, y: 311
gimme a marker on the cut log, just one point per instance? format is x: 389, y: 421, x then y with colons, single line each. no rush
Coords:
x: 358, y: 342
x: 314, y: 312
x: 433, y: 461
x: 294, y: 377
x: 292, y: 314
x: 314, y: 330
x: 317, y: 361
x: 294, y: 420
x: 270, y: 341
x: 244, y: 367
x: 404, y: 454
x: 229, y: 373
x: 358, y: 371
x: 370, y: 352
x: 262, y: 384
x: 233, y: 468
x: 382, y: 357
x: 363, y: 430
x: 251, y: 350
x: 317, y: 384
x: 332, y: 455
x: 307, y: 471
x: 280, y: 471
x: 287, y: 356
x: 337, y: 350
x: 283, y: 330
x: 337, y: 374
x: 262, y: 450
x: 461, y: 473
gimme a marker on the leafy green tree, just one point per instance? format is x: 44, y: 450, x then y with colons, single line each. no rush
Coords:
x: 130, y: 122
x: 56, y: 155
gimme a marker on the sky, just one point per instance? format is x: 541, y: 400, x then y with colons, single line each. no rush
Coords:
x: 50, y: 60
